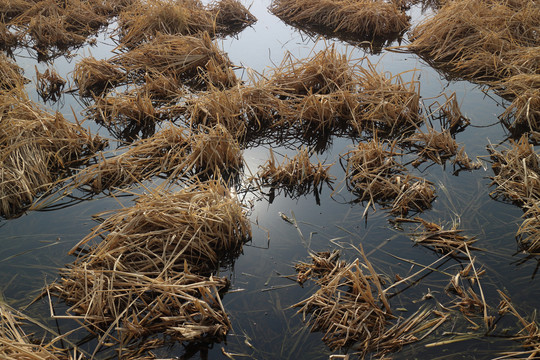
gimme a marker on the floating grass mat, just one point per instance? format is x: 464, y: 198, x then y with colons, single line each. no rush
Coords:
x: 481, y: 39
x: 38, y: 149
x: 366, y: 19
x: 528, y: 234
x: 297, y: 173
x: 15, y: 343
x: 93, y: 76
x: 165, y: 152
x: 439, y: 146
x: 49, y: 84
x: 351, y: 308
x: 516, y: 172
x: 374, y: 176
x: 145, y: 20
x: 8, y: 39
x: 181, y: 57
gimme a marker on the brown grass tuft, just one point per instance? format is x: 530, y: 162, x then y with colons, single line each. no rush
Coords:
x: 95, y: 76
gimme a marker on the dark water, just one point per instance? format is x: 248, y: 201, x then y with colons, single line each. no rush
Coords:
x: 264, y: 325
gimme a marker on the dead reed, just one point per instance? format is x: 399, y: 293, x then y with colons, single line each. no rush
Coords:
x: 201, y: 224
x: 49, y: 84
x: 439, y: 147
x: 214, y: 152
x: 38, y: 148
x: 350, y: 307
x: 297, y: 172
x: 524, y: 111
x: 481, y: 39
x: 528, y: 234
x: 373, y: 174
x: 11, y: 75
x: 165, y: 152
x: 367, y: 19
x: 184, y: 58
x: 516, y: 172
x: 443, y: 241
x: 15, y: 343
x: 95, y: 76
x: 145, y: 20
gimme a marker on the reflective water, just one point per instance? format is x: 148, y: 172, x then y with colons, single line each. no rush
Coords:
x: 259, y: 303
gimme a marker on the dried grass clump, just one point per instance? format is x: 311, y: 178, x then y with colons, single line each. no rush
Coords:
x: 184, y: 306
x: 528, y: 335
x: 145, y: 20
x: 481, y: 39
x: 240, y: 109
x: 59, y: 25
x: 439, y: 147
x: 367, y: 19
x: 49, y: 84
x: 17, y: 344
x: 8, y: 39
x: 374, y: 176
x: 38, y: 148
x: 95, y: 76
x: 230, y: 16
x: 517, y: 172
x: 178, y: 57
x: 388, y: 104
x: 11, y: 75
x: 165, y: 152
x: 524, y: 111
x: 214, y: 151
x: 202, y: 225
x: 351, y: 307
x: 449, y: 114
x: 528, y: 234
x: 325, y: 72
x: 124, y: 110
x: 443, y: 241
x: 297, y: 172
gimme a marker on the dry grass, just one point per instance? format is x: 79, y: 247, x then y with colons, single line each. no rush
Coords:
x: 38, y: 149
x: 165, y: 152
x: 11, y: 75
x: 214, y: 152
x: 443, y: 241
x: 439, y: 147
x: 144, y: 21
x: 528, y: 234
x: 524, y: 111
x: 298, y: 172
x: 49, y: 84
x: 367, y: 19
x: 95, y: 76
x: 374, y: 176
x: 183, y: 58
x: 351, y: 307
x: 517, y: 172
x: 202, y: 225
x: 16, y: 344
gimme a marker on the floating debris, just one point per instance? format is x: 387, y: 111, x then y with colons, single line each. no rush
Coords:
x: 11, y: 75
x: 93, y: 76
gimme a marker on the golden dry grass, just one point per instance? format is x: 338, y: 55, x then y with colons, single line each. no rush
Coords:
x: 373, y: 174
x: 38, y: 150
x: 11, y: 75
x: 95, y: 76
x: 49, y: 84
x: 366, y: 19
x: 297, y: 172
x: 350, y: 307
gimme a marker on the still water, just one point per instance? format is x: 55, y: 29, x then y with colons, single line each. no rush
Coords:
x: 264, y: 325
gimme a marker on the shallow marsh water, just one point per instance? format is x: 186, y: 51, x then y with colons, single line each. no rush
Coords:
x: 263, y: 324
